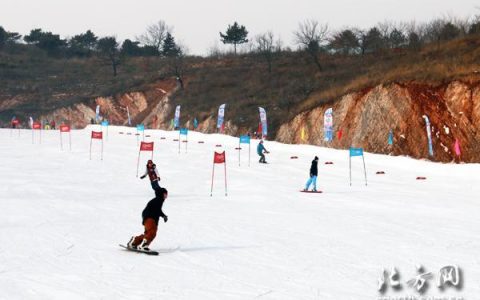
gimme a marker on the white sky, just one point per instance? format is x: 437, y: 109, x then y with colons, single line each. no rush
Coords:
x: 198, y: 22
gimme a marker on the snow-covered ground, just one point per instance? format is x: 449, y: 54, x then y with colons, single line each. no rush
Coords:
x: 62, y: 217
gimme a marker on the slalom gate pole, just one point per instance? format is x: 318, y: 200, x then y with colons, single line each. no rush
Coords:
x: 213, y: 175
x: 249, y: 154
x: 364, y: 170
x: 239, y: 147
x: 138, y: 161
x: 350, y: 167
x: 225, y: 168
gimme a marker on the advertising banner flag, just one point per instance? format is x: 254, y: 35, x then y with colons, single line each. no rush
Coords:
x: 263, y: 121
x: 328, y: 125
x: 221, y: 116
x: 429, y: 135
x: 176, y: 120
x: 97, y: 114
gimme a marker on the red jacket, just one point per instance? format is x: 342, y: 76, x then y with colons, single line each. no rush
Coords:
x: 152, y: 173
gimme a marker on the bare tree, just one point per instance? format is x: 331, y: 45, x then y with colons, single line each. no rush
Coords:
x: 155, y: 35
x: 176, y: 63
x: 310, y: 35
x: 266, y: 47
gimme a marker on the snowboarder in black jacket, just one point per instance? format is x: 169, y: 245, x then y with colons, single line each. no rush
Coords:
x: 313, y: 175
x: 150, y: 216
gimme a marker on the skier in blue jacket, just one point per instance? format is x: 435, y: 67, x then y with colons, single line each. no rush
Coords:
x: 260, y: 151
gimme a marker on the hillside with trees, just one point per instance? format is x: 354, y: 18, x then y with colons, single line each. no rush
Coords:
x: 41, y: 71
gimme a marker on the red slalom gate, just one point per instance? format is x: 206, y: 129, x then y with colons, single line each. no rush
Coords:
x: 15, y: 124
x: 65, y: 129
x: 36, y: 126
x: 96, y: 135
x: 144, y: 147
x: 219, y: 158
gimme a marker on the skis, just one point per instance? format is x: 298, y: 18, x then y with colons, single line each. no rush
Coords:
x: 311, y: 192
x: 151, y: 252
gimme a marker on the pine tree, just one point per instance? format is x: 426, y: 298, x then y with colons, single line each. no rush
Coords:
x: 235, y: 35
x: 169, y: 47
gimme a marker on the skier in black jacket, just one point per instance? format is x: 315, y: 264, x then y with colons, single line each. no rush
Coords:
x: 313, y: 175
x: 150, y: 216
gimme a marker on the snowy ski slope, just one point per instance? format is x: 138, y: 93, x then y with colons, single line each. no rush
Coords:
x: 62, y: 217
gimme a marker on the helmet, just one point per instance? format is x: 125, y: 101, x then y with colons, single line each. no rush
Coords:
x: 149, y: 161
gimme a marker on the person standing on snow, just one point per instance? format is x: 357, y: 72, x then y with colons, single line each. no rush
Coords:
x: 260, y: 151
x: 152, y: 173
x: 313, y: 175
x: 150, y: 216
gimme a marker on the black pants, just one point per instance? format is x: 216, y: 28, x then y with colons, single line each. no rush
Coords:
x: 156, y: 187
x: 262, y: 158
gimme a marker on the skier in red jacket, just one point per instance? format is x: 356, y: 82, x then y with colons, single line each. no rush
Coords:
x: 152, y: 173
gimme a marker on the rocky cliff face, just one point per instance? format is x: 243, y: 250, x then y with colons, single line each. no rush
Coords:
x: 150, y: 106
x: 366, y: 117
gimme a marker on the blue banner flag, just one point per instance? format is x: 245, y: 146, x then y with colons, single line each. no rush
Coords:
x: 176, y: 120
x: 244, y: 139
x: 140, y: 127
x: 328, y: 125
x: 97, y: 113
x: 105, y: 123
x: 390, y: 137
x: 221, y: 115
x: 356, y: 151
x: 183, y: 131
x: 429, y: 135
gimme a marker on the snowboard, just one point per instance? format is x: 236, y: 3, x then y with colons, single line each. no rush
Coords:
x: 151, y: 252
x: 311, y: 192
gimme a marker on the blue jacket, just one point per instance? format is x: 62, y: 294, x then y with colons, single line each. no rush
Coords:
x: 260, y: 149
